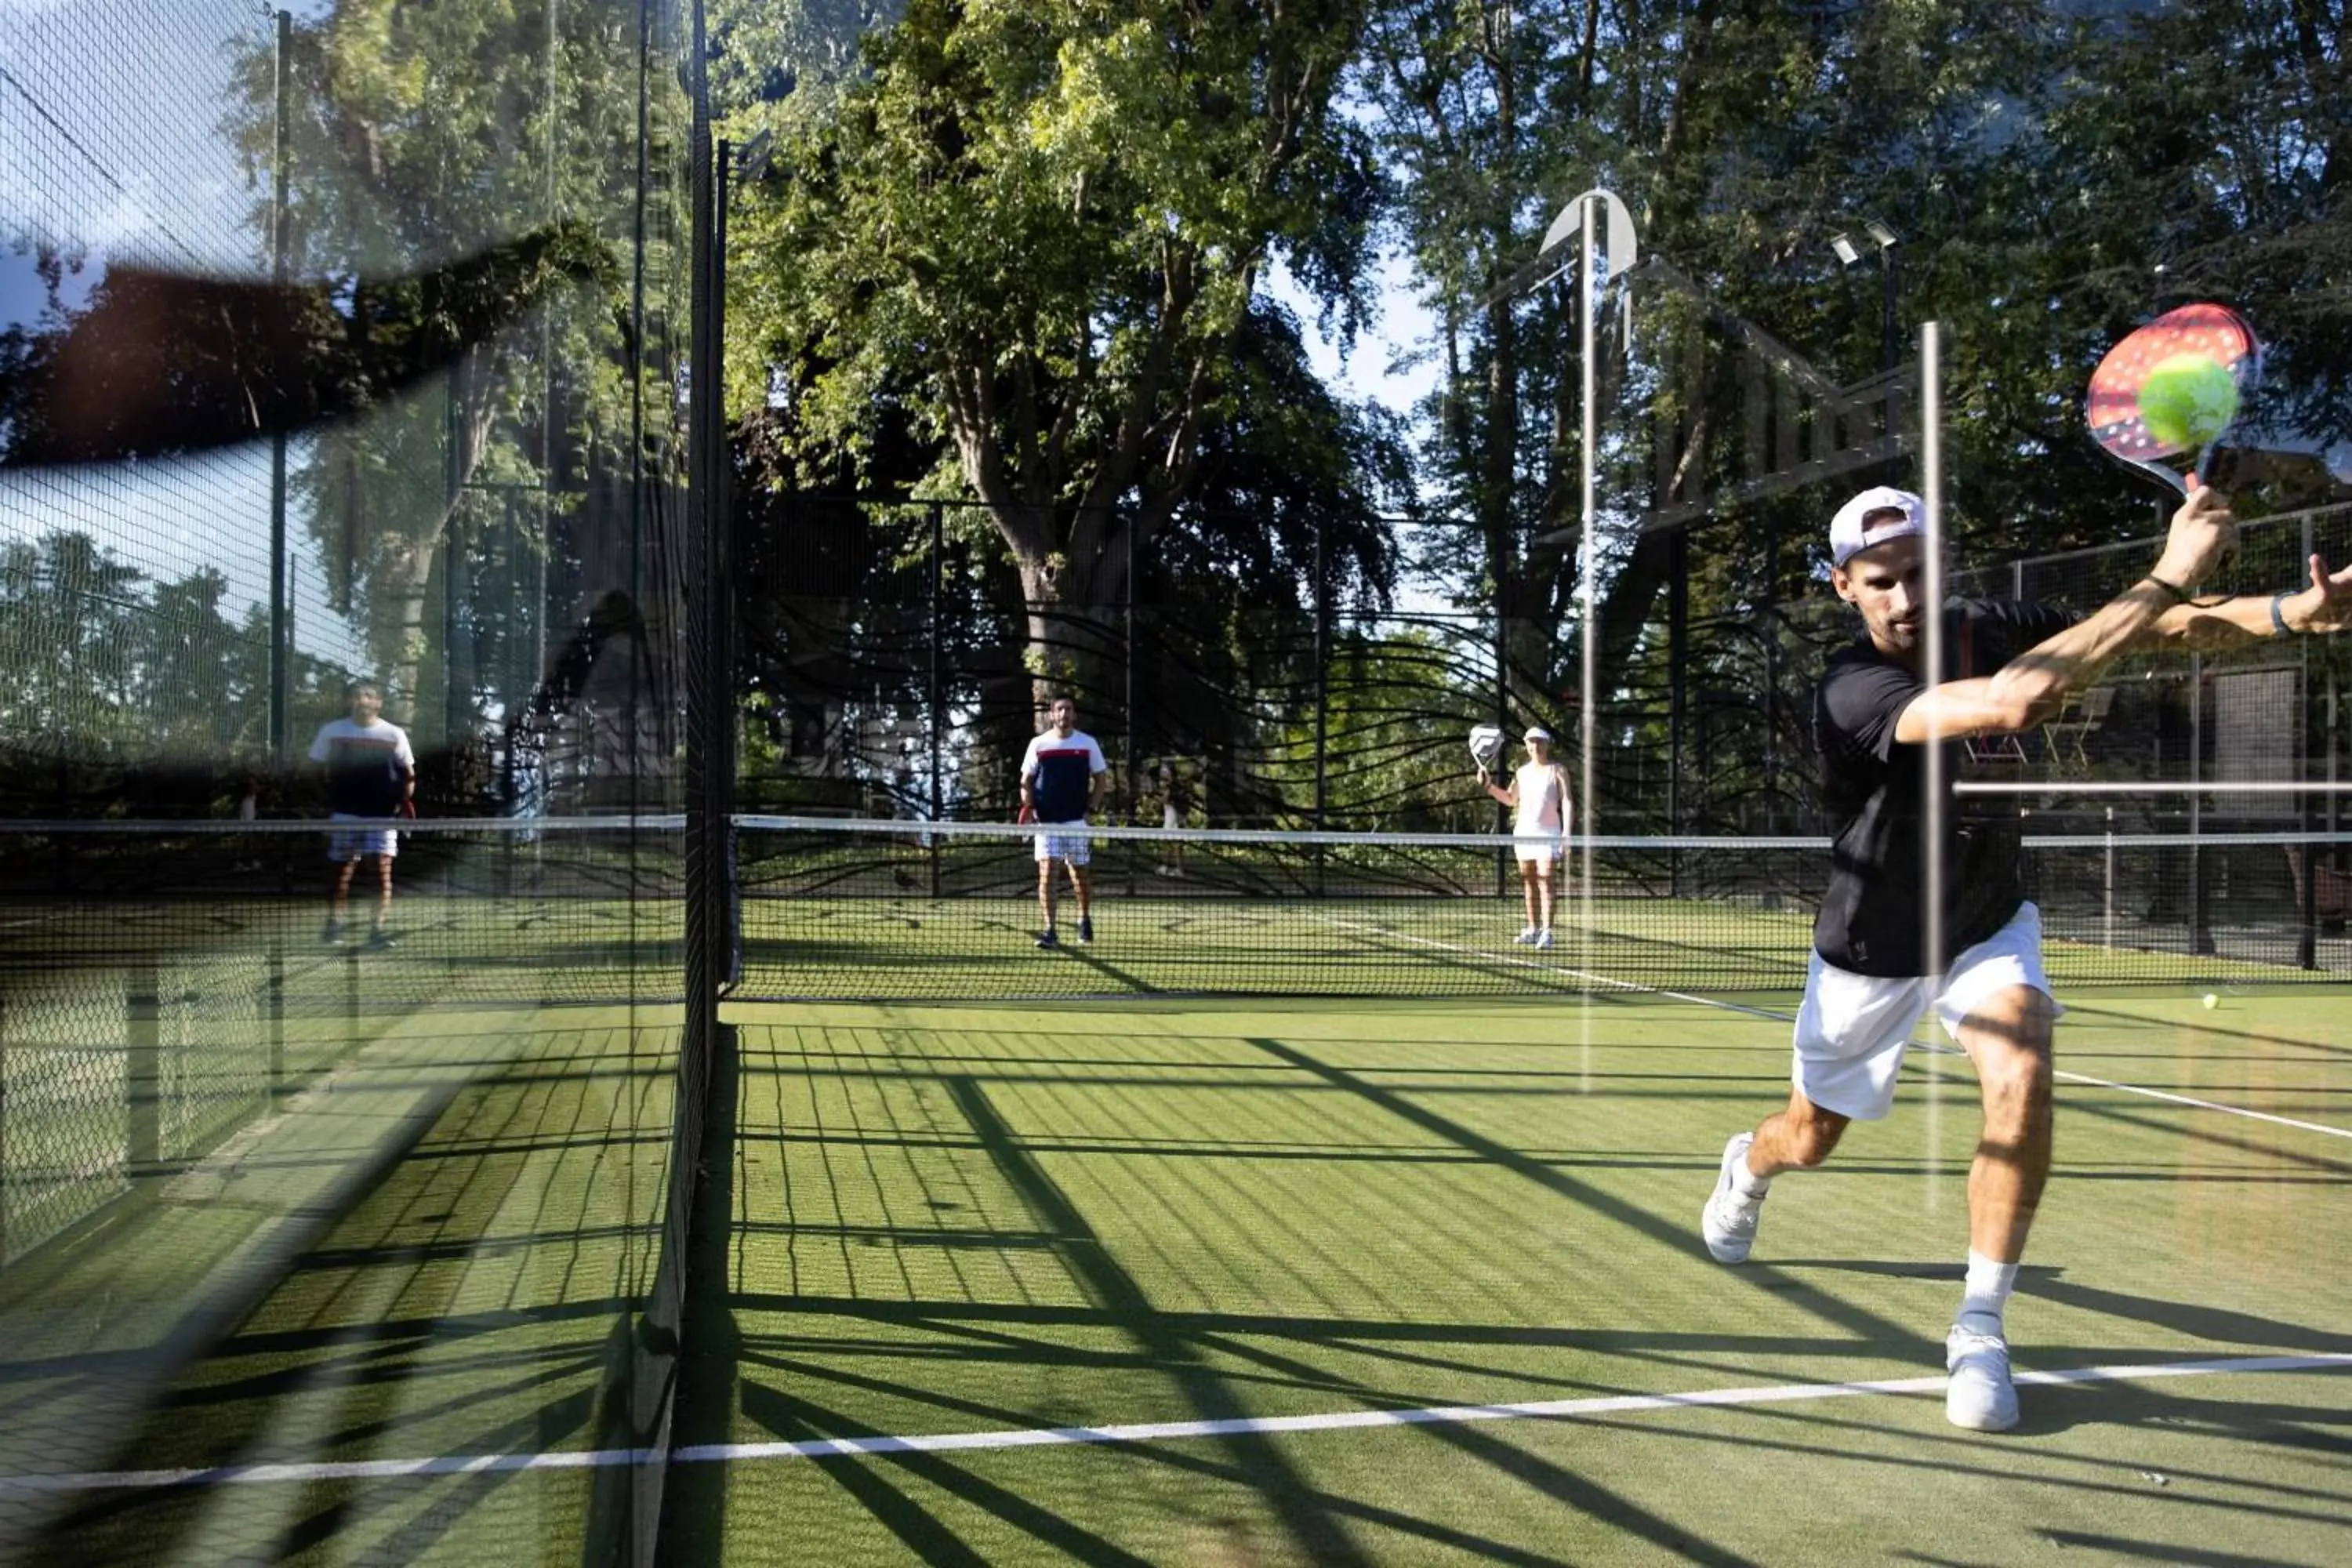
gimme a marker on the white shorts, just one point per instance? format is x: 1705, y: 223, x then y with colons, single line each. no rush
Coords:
x: 1074, y: 847
x: 359, y: 843
x: 1852, y: 1028
x: 1168, y: 818
x: 1544, y: 852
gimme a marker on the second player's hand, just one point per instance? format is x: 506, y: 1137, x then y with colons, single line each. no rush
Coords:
x: 2325, y: 605
x: 2202, y: 532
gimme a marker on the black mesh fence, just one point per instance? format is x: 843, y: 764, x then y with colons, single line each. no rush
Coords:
x: 228, y: 219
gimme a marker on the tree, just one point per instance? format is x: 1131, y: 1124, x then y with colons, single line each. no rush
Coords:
x: 1039, y: 226
x: 430, y: 140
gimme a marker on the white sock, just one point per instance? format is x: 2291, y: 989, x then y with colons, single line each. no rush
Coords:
x: 1985, y: 1294
x: 1747, y: 1183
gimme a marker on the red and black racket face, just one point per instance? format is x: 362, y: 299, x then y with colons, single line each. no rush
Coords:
x: 2114, y: 412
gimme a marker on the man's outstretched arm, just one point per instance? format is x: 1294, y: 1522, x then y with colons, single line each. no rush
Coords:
x: 2030, y: 688
x: 2325, y: 605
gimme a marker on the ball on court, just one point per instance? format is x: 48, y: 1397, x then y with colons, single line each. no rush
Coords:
x: 2187, y: 400
x: 2212, y: 1000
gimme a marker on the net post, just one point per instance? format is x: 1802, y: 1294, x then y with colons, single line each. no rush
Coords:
x: 143, y: 1078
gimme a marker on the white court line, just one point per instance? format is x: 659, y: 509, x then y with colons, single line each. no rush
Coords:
x: 1136, y: 1432
x: 1717, y: 1001
x: 1612, y: 981
x: 2206, y: 1104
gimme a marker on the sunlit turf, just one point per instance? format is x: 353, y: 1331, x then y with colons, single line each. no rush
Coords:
x: 982, y: 1219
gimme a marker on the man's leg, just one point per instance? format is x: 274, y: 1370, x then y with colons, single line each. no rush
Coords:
x: 339, y: 895
x: 2007, y: 1037
x: 1045, y: 896
x: 383, y: 894
x: 1796, y: 1139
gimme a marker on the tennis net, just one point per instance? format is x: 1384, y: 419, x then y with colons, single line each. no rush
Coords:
x: 841, y: 909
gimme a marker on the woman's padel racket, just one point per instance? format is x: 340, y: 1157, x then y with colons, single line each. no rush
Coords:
x: 2149, y: 391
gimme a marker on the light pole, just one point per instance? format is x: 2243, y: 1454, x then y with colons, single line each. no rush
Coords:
x: 1890, y: 271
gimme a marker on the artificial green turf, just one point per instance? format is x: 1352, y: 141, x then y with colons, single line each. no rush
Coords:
x: 971, y: 1220
x: 470, y: 1302
x: 904, y: 946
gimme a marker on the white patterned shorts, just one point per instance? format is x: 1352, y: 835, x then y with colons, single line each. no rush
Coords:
x: 1852, y: 1030
x: 359, y: 843
x: 1074, y: 847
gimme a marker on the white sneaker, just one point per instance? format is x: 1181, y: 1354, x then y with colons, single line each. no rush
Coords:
x: 1525, y: 937
x: 1980, y: 1396
x: 1543, y: 939
x: 1728, y: 1221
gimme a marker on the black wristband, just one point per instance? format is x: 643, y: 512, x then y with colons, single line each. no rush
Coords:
x: 2180, y: 595
x: 2278, y: 614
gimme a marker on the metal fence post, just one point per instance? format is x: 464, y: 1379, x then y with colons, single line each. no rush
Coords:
x: 143, y: 1077
x: 934, y: 699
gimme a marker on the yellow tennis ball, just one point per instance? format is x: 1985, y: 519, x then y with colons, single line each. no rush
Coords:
x: 2212, y: 1000
x: 2188, y: 399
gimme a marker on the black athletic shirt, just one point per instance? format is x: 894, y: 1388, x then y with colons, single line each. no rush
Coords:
x: 1870, y: 918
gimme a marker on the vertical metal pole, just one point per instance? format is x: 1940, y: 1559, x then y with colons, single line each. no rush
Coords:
x: 1134, y: 719
x: 1772, y: 630
x: 934, y: 699
x: 1677, y: 686
x: 2200, y: 939
x: 2306, y: 941
x: 1588, y: 289
x: 1322, y: 676
x: 143, y: 1068
x: 1322, y: 690
x: 1933, y: 808
x: 281, y: 630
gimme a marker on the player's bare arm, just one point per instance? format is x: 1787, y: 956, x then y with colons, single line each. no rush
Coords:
x: 2030, y: 687
x: 2323, y: 607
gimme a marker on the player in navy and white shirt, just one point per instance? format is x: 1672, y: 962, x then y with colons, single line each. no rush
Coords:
x: 1058, y: 786
x: 371, y: 775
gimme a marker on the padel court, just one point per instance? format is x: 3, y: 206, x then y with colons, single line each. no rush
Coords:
x: 1136, y: 1281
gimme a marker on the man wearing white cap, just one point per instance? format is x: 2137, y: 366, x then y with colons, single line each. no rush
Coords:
x: 2007, y: 667
x: 1538, y: 799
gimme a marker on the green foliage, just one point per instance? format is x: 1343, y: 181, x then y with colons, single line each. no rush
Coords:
x: 1034, y: 231
x: 101, y: 664
x: 428, y: 141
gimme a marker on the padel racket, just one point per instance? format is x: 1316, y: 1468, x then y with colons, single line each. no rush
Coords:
x: 2173, y: 348
x: 1487, y: 747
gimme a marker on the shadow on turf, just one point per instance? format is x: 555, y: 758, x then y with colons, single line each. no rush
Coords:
x: 2052, y: 1409
x: 2123, y: 1550
x: 1681, y: 1238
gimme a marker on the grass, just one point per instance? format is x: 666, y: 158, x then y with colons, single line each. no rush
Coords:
x: 906, y: 946
x: 982, y: 1219
x: 977, y: 1220
x: 471, y: 1298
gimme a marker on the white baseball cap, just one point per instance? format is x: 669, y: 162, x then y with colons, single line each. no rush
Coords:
x: 1848, y: 537
x: 1537, y: 732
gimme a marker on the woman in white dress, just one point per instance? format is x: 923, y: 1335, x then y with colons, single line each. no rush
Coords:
x: 1537, y: 796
